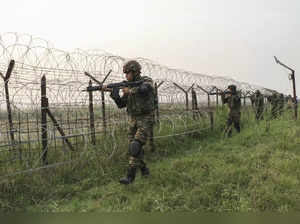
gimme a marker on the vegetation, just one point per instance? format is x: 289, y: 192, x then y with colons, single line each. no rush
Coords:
x: 256, y: 170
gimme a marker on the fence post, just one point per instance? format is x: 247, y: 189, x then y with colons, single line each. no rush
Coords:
x: 156, y: 102
x: 194, y: 103
x: 103, y: 112
x: 44, y: 108
x: 156, y: 107
x: 92, y: 116
x: 8, y: 106
x: 186, y: 95
x: 60, y: 130
x: 217, y: 97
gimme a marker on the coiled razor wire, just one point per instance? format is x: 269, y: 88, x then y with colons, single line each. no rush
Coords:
x: 64, y: 70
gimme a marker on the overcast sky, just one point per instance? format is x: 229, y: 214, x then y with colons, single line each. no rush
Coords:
x: 235, y: 38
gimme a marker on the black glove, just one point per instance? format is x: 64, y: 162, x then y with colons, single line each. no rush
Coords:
x: 115, y: 94
x: 120, y: 102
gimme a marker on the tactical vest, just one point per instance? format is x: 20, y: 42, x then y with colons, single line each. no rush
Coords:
x: 139, y: 104
x: 234, y: 103
x: 259, y: 101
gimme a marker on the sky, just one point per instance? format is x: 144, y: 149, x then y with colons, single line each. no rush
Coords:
x: 234, y: 38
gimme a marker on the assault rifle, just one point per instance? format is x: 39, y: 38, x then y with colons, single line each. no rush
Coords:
x: 112, y: 86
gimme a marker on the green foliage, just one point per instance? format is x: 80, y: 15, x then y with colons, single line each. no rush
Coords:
x: 256, y: 170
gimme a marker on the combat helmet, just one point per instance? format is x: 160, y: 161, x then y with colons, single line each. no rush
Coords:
x: 132, y: 66
x: 232, y: 88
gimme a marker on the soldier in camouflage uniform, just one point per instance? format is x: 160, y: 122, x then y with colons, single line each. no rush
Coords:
x: 274, y: 105
x: 252, y: 99
x: 234, y: 103
x: 259, y: 105
x: 139, y: 102
x: 280, y: 103
x: 289, y: 102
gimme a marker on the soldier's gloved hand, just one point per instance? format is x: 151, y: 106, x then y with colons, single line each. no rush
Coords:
x: 115, y: 94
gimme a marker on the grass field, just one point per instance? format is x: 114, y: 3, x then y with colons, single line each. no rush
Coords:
x: 256, y: 170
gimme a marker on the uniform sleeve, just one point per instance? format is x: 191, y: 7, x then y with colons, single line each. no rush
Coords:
x: 225, y: 98
x: 121, y: 102
x: 145, y: 88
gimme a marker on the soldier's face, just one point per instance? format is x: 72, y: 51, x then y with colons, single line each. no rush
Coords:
x: 129, y: 76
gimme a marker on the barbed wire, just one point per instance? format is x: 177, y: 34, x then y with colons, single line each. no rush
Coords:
x: 64, y: 70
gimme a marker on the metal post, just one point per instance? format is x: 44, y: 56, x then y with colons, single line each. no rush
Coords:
x: 157, y: 101
x: 294, y: 86
x: 217, y: 97
x: 9, y: 113
x: 92, y: 116
x: 44, y: 108
x: 208, y: 100
x: 295, y: 96
x: 103, y: 112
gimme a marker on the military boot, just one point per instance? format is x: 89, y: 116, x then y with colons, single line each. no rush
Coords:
x: 145, y: 171
x: 130, y: 176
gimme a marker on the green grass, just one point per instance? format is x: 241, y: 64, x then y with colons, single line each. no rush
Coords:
x: 256, y: 170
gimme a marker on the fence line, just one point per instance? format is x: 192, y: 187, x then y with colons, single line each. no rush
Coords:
x: 45, y: 110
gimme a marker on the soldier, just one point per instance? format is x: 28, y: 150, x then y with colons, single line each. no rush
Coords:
x: 259, y: 105
x: 252, y: 99
x: 289, y: 102
x: 234, y: 103
x: 139, y: 102
x: 274, y: 105
x: 281, y: 104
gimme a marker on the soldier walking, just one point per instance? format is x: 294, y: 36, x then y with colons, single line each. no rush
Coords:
x: 281, y: 104
x: 259, y: 105
x: 234, y: 103
x: 274, y: 105
x: 139, y: 103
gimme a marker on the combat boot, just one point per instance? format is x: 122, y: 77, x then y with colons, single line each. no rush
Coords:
x: 145, y: 171
x: 131, y: 172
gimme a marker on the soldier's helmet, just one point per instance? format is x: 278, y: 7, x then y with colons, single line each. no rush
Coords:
x: 132, y: 66
x: 274, y: 94
x: 232, y: 88
x: 257, y: 92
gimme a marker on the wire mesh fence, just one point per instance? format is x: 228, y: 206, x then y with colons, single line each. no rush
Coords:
x: 28, y: 136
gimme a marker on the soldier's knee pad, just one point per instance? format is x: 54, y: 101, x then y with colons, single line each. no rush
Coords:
x: 135, y: 148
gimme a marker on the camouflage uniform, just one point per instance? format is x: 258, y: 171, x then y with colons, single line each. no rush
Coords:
x: 280, y: 104
x: 274, y: 105
x: 252, y: 99
x: 139, y: 103
x: 140, y: 109
x: 289, y: 102
x: 234, y: 103
x: 259, y: 105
